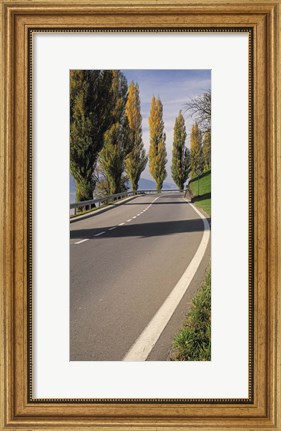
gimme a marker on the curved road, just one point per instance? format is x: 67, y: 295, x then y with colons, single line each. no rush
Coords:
x: 124, y: 263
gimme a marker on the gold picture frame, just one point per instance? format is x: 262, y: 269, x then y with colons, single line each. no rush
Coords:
x: 18, y: 410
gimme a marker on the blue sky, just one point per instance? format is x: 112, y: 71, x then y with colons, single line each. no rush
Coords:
x: 174, y: 87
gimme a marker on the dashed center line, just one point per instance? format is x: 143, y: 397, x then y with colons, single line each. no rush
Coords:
x: 120, y: 224
x: 100, y: 233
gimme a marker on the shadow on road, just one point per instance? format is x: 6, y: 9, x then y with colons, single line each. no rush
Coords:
x: 144, y: 230
x: 126, y: 202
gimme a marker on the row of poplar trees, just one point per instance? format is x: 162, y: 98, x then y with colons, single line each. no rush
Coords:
x: 106, y: 147
x: 186, y: 163
x: 105, y: 132
x: 198, y: 158
x: 193, y: 162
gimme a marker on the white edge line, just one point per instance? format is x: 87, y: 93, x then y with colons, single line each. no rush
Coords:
x: 83, y: 240
x: 148, y: 338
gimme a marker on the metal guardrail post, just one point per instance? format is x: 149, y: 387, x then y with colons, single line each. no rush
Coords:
x: 99, y: 201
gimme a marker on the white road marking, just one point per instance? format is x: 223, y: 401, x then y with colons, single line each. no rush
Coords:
x: 148, y: 338
x: 100, y: 233
x: 120, y: 224
x: 82, y: 240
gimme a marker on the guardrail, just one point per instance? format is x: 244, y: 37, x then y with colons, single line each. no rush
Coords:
x: 99, y: 201
x: 155, y: 191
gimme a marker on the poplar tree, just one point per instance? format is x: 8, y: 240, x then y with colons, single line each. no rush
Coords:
x: 116, y: 142
x: 112, y: 157
x: 136, y: 160
x: 195, y: 151
x: 206, y: 150
x: 90, y: 107
x: 180, y: 155
x: 157, y: 150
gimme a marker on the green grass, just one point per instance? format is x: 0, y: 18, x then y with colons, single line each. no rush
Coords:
x: 203, y: 199
x: 193, y: 342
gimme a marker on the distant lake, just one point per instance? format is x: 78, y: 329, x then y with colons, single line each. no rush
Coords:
x: 144, y: 184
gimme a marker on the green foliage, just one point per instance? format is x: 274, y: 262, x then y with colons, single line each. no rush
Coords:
x: 134, y: 165
x: 102, y: 188
x: 200, y: 161
x: 206, y: 150
x: 90, y: 107
x: 136, y: 160
x: 181, y: 154
x: 112, y: 157
x: 157, y: 150
x: 196, y: 163
x: 201, y: 191
x: 193, y: 342
x: 116, y: 140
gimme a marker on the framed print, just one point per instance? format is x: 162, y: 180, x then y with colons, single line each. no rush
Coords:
x: 140, y: 152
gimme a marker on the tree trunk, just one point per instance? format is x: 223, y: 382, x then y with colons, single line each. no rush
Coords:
x: 159, y: 187
x: 84, y: 192
x: 134, y: 185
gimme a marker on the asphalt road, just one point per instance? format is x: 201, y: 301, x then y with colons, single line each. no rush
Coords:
x: 124, y: 262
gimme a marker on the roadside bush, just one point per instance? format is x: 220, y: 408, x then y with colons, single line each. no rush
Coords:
x: 193, y: 342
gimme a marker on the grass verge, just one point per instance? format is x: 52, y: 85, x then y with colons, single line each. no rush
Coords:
x: 193, y: 341
x: 201, y: 191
